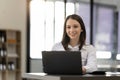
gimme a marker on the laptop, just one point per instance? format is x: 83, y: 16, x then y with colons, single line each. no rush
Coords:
x: 62, y: 62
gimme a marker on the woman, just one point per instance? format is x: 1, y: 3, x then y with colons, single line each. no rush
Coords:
x: 74, y: 37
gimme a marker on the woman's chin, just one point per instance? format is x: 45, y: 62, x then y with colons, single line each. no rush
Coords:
x: 73, y: 38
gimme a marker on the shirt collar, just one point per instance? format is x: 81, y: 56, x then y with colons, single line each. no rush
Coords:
x: 75, y: 48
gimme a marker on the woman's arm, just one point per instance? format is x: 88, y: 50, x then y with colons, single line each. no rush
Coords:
x: 91, y: 64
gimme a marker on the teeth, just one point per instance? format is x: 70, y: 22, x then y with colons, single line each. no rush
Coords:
x: 73, y: 32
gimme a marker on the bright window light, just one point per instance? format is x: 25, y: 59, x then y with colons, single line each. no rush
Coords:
x: 70, y: 8
x: 118, y: 57
x: 49, y: 26
x: 104, y: 66
x: 46, y: 25
x: 118, y: 66
x: 37, y: 42
x: 103, y: 54
x: 59, y: 20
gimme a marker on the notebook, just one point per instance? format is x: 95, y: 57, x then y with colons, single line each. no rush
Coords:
x: 62, y: 62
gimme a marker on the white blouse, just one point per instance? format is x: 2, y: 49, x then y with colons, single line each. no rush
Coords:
x: 88, y: 53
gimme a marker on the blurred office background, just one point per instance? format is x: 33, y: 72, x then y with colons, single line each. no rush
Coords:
x: 102, y: 21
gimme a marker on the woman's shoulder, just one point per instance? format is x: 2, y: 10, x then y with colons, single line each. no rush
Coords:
x: 89, y: 47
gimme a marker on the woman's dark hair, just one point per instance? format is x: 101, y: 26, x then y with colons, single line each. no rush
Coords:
x: 82, y: 38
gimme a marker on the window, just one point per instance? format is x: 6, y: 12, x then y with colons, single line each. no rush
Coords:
x: 59, y: 20
x: 83, y: 9
x: 104, y: 34
x: 46, y: 22
x: 37, y: 35
x: 118, y: 55
x: 70, y: 8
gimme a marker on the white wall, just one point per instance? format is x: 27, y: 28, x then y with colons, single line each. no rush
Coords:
x: 13, y: 16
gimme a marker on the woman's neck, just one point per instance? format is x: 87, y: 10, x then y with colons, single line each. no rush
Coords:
x: 73, y: 42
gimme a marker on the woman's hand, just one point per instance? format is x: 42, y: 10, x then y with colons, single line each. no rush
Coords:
x: 83, y: 70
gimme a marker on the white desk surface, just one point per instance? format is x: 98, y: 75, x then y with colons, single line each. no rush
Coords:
x: 43, y: 76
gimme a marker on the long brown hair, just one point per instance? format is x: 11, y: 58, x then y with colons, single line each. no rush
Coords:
x: 82, y: 37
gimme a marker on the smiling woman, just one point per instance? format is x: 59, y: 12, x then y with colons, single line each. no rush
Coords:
x: 74, y: 39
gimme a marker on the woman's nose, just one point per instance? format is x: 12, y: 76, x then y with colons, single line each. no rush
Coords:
x: 71, y: 29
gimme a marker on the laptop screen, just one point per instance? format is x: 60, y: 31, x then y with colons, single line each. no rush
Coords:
x: 62, y: 62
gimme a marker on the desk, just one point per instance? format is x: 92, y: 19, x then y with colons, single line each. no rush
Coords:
x: 43, y: 76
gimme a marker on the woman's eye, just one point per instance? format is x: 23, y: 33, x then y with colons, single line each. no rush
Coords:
x: 68, y: 27
x: 75, y: 26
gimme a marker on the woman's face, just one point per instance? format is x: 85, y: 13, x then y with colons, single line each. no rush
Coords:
x: 73, y: 29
